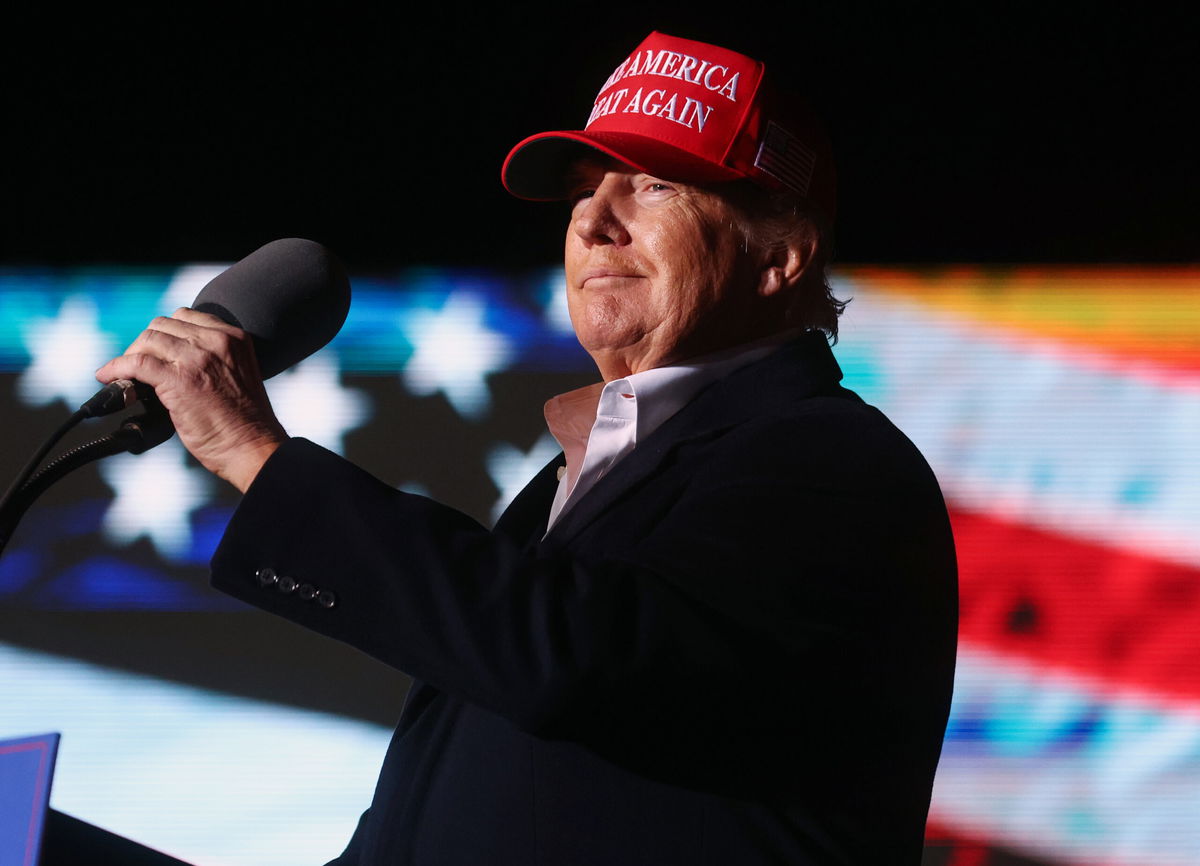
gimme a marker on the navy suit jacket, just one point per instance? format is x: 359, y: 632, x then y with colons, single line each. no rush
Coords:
x: 737, y: 648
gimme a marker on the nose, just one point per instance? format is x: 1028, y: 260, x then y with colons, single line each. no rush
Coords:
x: 596, y: 219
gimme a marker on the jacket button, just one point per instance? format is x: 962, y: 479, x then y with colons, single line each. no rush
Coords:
x: 287, y: 584
x: 325, y: 598
x: 307, y: 591
x: 266, y: 577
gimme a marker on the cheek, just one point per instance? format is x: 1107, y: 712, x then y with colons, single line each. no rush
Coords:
x: 692, y: 259
x: 572, y: 254
x: 677, y: 253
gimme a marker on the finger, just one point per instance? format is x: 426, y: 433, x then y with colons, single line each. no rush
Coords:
x: 168, y: 348
x: 192, y: 328
x: 139, y: 366
x: 161, y: 324
x: 168, y: 342
x: 220, y: 339
x: 207, y: 320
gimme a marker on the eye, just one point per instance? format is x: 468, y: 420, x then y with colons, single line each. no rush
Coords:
x: 655, y: 188
x: 580, y: 194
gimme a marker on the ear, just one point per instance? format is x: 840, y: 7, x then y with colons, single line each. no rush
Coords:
x: 785, y: 266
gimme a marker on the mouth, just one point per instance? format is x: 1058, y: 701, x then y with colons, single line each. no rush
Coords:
x: 607, y: 278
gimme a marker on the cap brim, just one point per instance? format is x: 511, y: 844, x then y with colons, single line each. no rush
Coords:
x: 539, y: 167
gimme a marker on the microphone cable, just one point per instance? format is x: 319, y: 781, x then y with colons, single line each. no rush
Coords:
x: 139, y: 433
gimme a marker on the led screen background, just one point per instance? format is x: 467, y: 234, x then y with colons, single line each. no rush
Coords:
x: 1058, y: 404
x: 1060, y: 412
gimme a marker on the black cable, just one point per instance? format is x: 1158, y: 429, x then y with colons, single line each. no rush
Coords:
x: 137, y: 434
x: 111, y: 398
x: 30, y: 467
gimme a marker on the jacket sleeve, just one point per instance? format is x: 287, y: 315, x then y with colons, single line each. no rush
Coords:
x: 751, y: 577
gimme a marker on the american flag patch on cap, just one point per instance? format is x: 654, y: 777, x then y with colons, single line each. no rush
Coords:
x: 786, y: 158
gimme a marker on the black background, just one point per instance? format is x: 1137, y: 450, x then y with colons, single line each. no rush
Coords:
x: 965, y: 132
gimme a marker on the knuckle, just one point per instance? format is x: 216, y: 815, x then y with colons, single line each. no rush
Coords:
x: 158, y: 323
x: 150, y: 335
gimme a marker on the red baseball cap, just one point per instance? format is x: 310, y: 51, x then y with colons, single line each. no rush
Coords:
x: 691, y: 112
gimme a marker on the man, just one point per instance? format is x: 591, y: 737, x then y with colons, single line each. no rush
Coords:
x: 722, y: 629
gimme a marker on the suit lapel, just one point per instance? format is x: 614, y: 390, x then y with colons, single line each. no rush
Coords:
x: 799, y: 369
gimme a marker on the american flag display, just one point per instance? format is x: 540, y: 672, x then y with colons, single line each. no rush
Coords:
x: 1058, y: 406
x: 1060, y: 409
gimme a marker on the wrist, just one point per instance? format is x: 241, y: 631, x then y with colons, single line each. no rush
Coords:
x: 249, y: 461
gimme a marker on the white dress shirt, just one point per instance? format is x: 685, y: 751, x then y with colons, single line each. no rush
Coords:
x: 599, y: 424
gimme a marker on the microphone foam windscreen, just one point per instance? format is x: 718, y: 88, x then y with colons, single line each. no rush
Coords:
x: 292, y: 295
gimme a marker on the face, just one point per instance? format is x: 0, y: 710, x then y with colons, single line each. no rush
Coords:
x: 657, y: 272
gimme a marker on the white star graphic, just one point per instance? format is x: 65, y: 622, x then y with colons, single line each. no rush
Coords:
x: 454, y: 353
x: 310, y: 401
x: 156, y: 493
x: 511, y: 468
x: 66, y: 351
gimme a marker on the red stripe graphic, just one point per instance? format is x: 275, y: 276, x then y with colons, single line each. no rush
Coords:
x: 1110, y: 614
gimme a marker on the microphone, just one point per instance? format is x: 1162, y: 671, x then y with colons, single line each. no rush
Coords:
x: 291, y: 295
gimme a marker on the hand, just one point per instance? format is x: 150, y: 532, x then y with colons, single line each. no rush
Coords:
x: 206, y: 375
